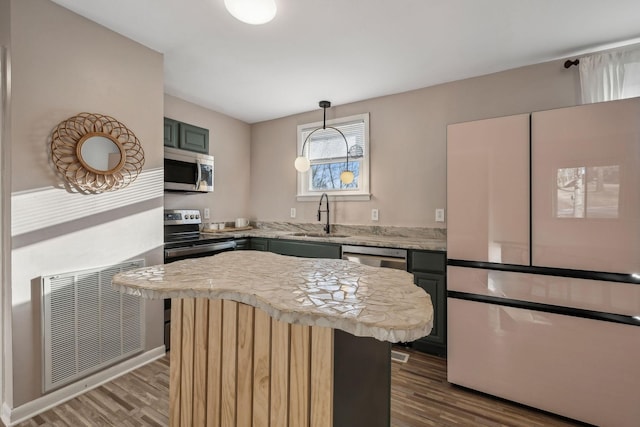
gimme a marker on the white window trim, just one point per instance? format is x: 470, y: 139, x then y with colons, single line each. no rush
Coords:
x: 303, y: 194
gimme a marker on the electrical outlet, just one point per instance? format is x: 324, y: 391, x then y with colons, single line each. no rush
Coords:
x: 207, y: 213
x: 293, y: 212
x: 374, y: 214
x: 439, y: 215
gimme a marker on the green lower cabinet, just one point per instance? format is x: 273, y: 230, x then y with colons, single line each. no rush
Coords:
x: 242, y: 244
x: 305, y: 249
x: 259, y: 244
x: 427, y: 261
x: 435, y: 286
x: 429, y: 272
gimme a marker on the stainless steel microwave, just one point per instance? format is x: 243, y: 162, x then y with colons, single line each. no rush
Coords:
x: 187, y: 171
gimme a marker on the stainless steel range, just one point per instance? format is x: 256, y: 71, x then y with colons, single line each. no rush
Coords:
x: 182, y: 237
x: 182, y: 240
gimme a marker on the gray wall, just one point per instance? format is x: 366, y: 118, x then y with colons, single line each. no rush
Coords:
x: 229, y: 143
x: 63, y: 64
x: 408, y: 144
x: 5, y: 40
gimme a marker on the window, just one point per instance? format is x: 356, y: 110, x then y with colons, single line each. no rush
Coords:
x: 327, y: 153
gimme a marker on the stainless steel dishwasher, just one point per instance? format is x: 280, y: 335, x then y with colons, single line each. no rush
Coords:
x: 377, y: 257
x: 380, y: 257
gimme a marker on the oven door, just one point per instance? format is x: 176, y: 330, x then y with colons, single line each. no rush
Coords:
x: 197, y: 251
x: 187, y: 171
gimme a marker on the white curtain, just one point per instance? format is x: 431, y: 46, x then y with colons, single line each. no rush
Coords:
x: 610, y: 75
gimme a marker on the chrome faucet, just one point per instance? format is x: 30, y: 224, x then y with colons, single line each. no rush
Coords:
x: 327, y: 227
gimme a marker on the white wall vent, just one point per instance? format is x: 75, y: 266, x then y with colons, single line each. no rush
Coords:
x: 87, y: 325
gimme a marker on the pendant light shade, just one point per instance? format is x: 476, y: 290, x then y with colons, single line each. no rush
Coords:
x: 346, y: 177
x: 254, y: 12
x: 302, y: 163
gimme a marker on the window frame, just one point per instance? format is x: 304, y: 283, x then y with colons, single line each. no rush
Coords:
x: 303, y: 178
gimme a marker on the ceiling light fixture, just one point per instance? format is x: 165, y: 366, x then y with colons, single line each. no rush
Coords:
x: 302, y: 163
x: 254, y: 12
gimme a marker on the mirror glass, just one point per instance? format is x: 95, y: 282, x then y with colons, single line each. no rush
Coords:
x: 100, y: 153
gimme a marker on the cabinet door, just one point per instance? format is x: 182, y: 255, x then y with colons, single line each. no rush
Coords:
x: 242, y: 244
x: 194, y: 138
x: 305, y: 249
x: 488, y: 190
x: 427, y: 261
x: 171, y: 132
x: 434, y: 285
x: 585, y: 188
x: 259, y: 244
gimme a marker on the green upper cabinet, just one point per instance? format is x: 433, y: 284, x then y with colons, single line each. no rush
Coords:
x: 185, y: 136
x: 171, y: 132
x: 194, y: 138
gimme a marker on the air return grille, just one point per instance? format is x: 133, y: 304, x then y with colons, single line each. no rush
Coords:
x: 87, y: 325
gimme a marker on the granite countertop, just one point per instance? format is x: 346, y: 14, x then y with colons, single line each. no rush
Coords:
x: 382, y: 303
x: 391, y: 237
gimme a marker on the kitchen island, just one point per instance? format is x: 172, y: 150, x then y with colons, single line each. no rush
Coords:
x: 269, y: 340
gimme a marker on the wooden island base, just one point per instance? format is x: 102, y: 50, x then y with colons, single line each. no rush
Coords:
x: 234, y: 365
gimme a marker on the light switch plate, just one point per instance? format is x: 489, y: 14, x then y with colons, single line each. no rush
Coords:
x: 374, y: 214
x: 207, y: 213
x: 439, y: 215
x: 293, y: 212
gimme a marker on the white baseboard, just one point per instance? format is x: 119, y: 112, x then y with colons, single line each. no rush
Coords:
x: 13, y: 416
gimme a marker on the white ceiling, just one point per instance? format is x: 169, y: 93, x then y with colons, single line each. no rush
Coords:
x: 350, y: 50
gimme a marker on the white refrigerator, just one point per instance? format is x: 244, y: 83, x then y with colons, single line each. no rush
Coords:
x: 543, y: 268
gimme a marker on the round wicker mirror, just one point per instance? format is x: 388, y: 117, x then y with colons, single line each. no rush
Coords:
x: 96, y: 153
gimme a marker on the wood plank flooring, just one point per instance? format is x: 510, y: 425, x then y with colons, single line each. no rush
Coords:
x: 139, y: 398
x: 420, y: 396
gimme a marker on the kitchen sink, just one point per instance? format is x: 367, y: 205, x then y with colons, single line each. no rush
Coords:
x: 318, y: 235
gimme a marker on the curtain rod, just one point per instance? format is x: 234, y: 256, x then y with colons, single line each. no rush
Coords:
x: 568, y: 63
x: 611, y: 48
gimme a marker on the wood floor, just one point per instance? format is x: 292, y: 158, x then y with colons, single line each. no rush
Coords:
x: 139, y: 398
x: 420, y: 396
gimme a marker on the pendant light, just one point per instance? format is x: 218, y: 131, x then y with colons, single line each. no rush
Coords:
x: 302, y: 163
x: 254, y: 12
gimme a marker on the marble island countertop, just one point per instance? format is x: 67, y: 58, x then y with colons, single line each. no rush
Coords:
x: 364, y: 301
x: 391, y: 237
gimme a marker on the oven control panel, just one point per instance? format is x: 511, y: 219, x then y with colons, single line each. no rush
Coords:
x: 181, y: 216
